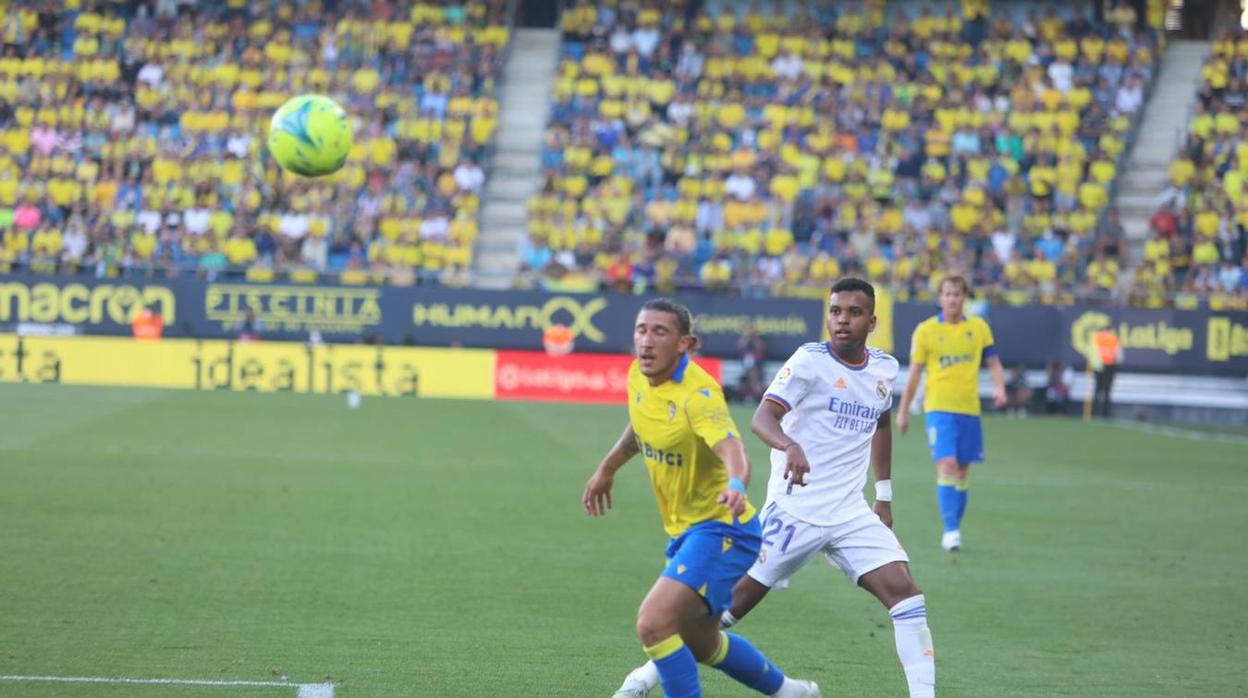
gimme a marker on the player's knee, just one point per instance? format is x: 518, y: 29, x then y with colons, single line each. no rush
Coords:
x: 892, y: 584
x: 948, y: 467
x: 653, y: 628
x: 899, y: 588
x: 907, y: 589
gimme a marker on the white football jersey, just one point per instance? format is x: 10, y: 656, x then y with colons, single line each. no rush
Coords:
x: 832, y: 408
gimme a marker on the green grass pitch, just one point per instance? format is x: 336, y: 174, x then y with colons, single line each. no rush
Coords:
x: 437, y: 548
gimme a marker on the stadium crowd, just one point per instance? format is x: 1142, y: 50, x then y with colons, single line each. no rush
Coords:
x: 1198, y: 246
x: 132, y: 137
x: 773, y: 148
x: 763, y: 148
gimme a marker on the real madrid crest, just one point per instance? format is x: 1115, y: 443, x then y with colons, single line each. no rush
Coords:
x: 881, y: 390
x: 671, y: 410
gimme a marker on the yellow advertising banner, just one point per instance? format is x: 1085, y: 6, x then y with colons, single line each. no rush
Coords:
x: 882, y: 337
x: 258, y: 366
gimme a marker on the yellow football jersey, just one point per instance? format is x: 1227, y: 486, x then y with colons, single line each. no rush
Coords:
x: 676, y: 424
x: 952, y: 355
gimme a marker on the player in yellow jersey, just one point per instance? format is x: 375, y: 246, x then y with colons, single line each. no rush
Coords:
x: 952, y: 346
x: 679, y: 422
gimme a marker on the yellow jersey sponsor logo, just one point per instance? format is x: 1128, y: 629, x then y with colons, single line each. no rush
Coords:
x: 661, y: 456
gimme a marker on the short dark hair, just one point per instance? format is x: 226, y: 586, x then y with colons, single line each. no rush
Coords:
x: 852, y: 283
x: 684, y: 318
x: 959, y: 280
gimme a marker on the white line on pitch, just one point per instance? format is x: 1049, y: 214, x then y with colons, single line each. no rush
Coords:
x: 316, y: 690
x: 1179, y: 432
x: 306, y: 690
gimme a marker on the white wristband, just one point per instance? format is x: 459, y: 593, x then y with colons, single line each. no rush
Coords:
x: 884, y: 491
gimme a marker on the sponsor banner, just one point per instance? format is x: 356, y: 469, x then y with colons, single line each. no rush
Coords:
x: 1163, y: 340
x: 1226, y: 340
x: 603, y: 323
x: 283, y: 309
x: 1181, y: 341
x: 600, y: 378
x: 1153, y: 340
x: 105, y: 306
x: 248, y: 366
x: 324, y: 369
x: 196, y: 308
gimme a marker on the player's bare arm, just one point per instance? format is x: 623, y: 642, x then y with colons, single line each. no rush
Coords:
x: 766, y: 425
x: 997, y: 372
x: 731, y: 452
x: 882, y: 467
x: 597, y: 496
x: 907, y: 396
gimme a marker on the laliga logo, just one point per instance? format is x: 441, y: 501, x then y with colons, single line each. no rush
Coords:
x: 1082, y: 329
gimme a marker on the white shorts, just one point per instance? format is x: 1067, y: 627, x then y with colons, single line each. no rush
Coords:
x: 857, y: 546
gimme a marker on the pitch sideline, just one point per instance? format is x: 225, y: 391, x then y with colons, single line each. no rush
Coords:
x: 305, y: 690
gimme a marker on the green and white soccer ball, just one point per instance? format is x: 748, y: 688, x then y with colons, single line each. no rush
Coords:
x: 310, y: 135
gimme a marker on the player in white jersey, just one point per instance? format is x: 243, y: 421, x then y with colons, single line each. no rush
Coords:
x: 826, y: 416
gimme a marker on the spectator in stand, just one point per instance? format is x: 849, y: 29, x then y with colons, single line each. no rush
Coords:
x: 1200, y: 226
x: 782, y: 132
x: 157, y: 118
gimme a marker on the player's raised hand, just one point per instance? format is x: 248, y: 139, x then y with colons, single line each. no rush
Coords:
x: 597, y: 496
x: 884, y: 510
x: 734, y: 500
x: 903, y: 421
x: 797, y: 466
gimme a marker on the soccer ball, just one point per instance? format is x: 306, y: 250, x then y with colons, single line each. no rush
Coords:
x: 310, y: 135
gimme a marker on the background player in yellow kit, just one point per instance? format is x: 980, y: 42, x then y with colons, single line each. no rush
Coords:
x: 952, y: 346
x: 679, y: 422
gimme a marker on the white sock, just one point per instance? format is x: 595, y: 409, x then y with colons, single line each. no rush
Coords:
x: 914, y: 646
x: 727, y: 620
x: 645, y: 676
